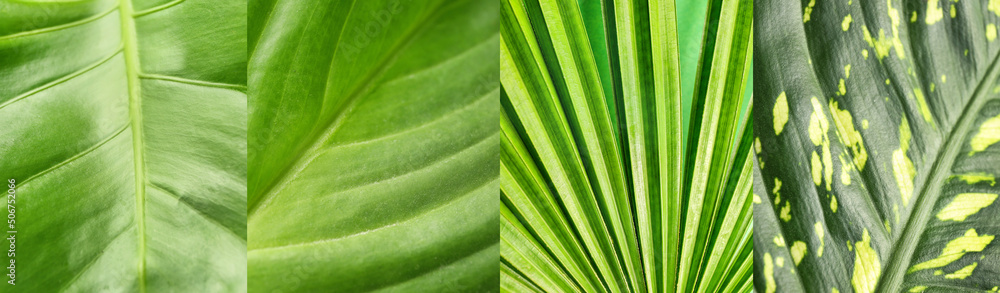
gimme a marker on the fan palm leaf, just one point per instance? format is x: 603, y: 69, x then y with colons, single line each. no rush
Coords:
x: 608, y: 183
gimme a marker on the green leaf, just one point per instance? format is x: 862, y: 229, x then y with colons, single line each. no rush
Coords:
x: 124, y: 130
x: 374, y: 146
x: 875, y: 160
x: 598, y: 192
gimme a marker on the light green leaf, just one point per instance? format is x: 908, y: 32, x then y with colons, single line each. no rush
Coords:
x: 124, y: 129
x: 601, y: 194
x: 883, y: 175
x: 374, y: 146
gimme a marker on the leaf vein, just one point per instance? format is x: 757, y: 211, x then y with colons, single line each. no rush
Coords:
x: 401, y: 222
x: 335, y: 124
x: 59, y: 27
x: 63, y: 79
x: 200, y: 212
x: 78, y: 155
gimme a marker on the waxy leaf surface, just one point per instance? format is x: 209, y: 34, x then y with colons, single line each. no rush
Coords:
x: 124, y: 127
x: 374, y: 144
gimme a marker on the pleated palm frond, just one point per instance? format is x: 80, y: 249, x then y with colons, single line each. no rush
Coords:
x: 626, y: 161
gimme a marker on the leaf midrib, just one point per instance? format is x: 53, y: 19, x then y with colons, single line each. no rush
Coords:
x: 132, y: 68
x: 895, y: 270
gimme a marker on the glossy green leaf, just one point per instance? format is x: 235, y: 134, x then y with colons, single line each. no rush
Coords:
x: 373, y: 146
x: 124, y: 129
x: 875, y: 160
x: 599, y: 194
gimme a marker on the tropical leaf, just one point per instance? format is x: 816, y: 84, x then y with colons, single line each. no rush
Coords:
x: 602, y: 189
x: 876, y: 163
x: 374, y: 146
x: 124, y: 130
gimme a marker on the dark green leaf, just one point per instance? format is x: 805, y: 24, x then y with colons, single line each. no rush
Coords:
x: 876, y: 159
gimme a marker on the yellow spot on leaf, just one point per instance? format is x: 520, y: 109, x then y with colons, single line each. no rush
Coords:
x: 809, y: 10
x: 883, y: 45
x: 864, y: 124
x: 894, y: 20
x: 918, y: 289
x: 849, y: 136
x: 833, y: 204
x: 786, y: 212
x: 944, y: 79
x: 955, y: 249
x: 963, y: 272
x: 777, y: 191
x: 799, y: 250
x: 902, y: 167
x: 780, y: 261
x: 768, y: 273
x: 817, y: 169
x: 779, y: 241
x: 819, y: 125
x: 973, y: 178
x: 864, y: 53
x: 780, y: 113
x: 841, y: 88
x: 756, y: 199
x: 924, y: 110
x: 934, y: 12
x: 938, y: 272
x: 913, y: 17
x: 834, y: 290
x: 965, y: 205
x: 994, y: 6
x: 756, y: 144
x: 991, y: 32
x: 953, y: 11
x: 989, y: 134
x: 932, y: 87
x: 846, y: 24
x: 887, y: 227
x: 847, y: 71
x: 867, y: 267
x: 820, y: 234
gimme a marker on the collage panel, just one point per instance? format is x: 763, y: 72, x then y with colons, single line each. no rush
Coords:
x: 877, y: 123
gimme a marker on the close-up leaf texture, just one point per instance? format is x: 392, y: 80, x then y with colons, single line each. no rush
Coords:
x: 625, y: 162
x: 123, y: 124
x: 876, y: 160
x: 374, y: 146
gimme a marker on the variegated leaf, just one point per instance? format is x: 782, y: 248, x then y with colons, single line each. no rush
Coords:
x: 876, y: 158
